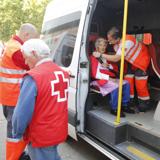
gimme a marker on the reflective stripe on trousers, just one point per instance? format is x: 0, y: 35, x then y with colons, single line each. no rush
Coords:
x: 141, y: 85
x: 14, y: 149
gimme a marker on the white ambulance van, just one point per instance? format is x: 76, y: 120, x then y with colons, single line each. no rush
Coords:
x: 70, y: 28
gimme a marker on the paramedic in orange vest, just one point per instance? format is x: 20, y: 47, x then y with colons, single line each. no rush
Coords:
x: 136, y: 54
x: 12, y: 68
x: 41, y: 114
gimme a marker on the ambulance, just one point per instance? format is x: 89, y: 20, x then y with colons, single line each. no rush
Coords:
x: 70, y: 28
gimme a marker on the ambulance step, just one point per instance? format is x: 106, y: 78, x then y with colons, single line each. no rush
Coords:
x: 99, y: 123
x: 137, y: 151
x: 147, y: 137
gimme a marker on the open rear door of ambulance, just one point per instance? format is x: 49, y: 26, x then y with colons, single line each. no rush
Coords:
x: 62, y: 30
x: 155, y: 58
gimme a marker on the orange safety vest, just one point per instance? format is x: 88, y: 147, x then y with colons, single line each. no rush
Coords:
x: 138, y: 55
x: 147, y: 38
x: 10, y: 75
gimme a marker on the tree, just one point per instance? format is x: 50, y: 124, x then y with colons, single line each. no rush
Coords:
x: 14, y: 13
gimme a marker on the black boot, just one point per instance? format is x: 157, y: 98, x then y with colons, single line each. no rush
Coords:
x: 143, y: 105
x: 127, y: 109
x: 24, y: 156
x: 114, y: 112
x: 132, y: 103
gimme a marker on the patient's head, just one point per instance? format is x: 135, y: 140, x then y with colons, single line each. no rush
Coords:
x: 101, y: 45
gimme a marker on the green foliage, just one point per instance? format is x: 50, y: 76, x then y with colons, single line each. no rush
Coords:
x: 14, y: 13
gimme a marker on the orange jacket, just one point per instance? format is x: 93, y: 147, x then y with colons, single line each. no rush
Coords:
x: 10, y: 75
x: 138, y: 55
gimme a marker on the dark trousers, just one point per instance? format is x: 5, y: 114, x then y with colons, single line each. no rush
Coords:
x: 8, y: 113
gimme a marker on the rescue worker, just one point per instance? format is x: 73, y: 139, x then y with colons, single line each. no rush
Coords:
x: 41, y: 114
x: 12, y: 68
x: 103, y: 72
x: 136, y: 54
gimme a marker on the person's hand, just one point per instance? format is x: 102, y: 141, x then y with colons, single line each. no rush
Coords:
x: 106, y: 65
x: 96, y: 54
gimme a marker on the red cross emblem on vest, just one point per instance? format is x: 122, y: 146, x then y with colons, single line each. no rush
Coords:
x: 60, y: 86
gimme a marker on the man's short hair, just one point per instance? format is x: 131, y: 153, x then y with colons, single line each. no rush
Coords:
x: 37, y: 45
x: 114, y: 32
x: 30, y: 29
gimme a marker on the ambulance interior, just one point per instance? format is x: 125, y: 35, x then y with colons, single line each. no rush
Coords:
x: 143, y: 129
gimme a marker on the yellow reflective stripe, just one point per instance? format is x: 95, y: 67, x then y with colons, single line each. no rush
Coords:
x: 141, y: 78
x: 136, y: 54
x: 139, y: 153
x: 131, y: 51
x: 129, y: 75
x: 11, y: 71
x: 13, y: 140
x: 10, y: 80
x: 144, y: 98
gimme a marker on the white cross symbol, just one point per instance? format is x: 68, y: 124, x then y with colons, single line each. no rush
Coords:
x: 64, y: 90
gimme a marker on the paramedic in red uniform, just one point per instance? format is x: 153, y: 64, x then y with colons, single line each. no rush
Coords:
x: 12, y: 68
x: 41, y: 114
x: 137, y: 56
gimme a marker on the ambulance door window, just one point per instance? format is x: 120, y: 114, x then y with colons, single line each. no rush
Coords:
x: 64, y: 53
x: 67, y: 55
x: 61, y: 35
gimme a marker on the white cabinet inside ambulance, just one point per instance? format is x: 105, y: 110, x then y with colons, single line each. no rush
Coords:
x: 68, y: 28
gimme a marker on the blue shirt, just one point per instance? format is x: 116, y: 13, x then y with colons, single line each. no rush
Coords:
x: 25, y: 106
